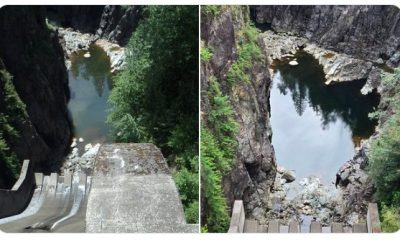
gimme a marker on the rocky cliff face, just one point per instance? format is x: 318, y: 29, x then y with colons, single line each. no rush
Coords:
x: 254, y: 167
x: 32, y: 55
x: 351, y: 42
x: 82, y: 18
x: 367, y: 32
x: 118, y: 23
x: 113, y: 22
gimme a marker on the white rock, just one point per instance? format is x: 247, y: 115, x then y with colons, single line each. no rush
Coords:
x: 280, y: 169
x: 88, y: 146
x: 80, y: 139
x: 289, y: 176
x: 86, y: 55
x: 91, y: 153
x: 73, y: 143
x: 74, y: 151
x: 293, y: 63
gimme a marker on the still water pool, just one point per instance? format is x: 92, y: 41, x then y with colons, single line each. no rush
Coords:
x: 90, y: 85
x: 316, y: 127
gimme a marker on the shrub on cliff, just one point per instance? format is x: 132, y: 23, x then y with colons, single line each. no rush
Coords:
x: 214, y: 209
x: 248, y: 52
x: 155, y: 98
x: 384, y: 153
x: 218, y: 149
x: 12, y: 114
x: 390, y: 218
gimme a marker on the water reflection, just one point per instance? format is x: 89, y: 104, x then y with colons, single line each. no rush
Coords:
x: 315, y: 127
x: 96, y: 68
x: 90, y: 84
x: 305, y: 84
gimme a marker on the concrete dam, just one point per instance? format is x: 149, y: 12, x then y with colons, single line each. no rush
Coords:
x: 130, y: 190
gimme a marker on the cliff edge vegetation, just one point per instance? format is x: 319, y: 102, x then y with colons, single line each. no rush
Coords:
x: 155, y: 97
x: 384, y: 153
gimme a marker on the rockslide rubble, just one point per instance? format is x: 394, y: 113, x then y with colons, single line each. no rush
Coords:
x: 81, y: 158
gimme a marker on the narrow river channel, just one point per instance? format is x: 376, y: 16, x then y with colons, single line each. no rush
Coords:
x: 90, y: 85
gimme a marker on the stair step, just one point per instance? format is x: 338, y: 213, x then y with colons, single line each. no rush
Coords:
x: 326, y: 229
x: 52, y: 184
x: 360, y: 228
x: 68, y: 179
x: 283, y: 229
x: 294, y: 227
x: 336, y: 228
x: 262, y: 228
x: 250, y: 226
x: 315, y: 227
x: 347, y: 229
x: 82, y: 180
x: 39, y: 179
x: 273, y: 226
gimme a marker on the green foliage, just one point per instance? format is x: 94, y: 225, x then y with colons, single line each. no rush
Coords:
x: 218, y: 149
x: 204, y: 229
x: 248, y: 52
x: 390, y: 218
x: 218, y: 135
x: 384, y: 153
x: 211, y: 10
x: 192, y: 212
x: 12, y: 114
x: 155, y: 97
x: 221, y: 121
x: 188, y: 184
x: 384, y: 160
x: 51, y: 26
x: 205, y: 54
x: 215, y: 208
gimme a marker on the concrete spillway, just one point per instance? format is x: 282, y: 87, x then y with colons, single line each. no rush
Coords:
x: 130, y: 190
x: 133, y: 191
x: 58, y: 204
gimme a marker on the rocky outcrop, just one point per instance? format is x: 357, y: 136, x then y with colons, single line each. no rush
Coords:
x: 338, y: 67
x: 350, y: 42
x: 356, y: 187
x: 254, y: 167
x: 366, y: 32
x: 312, y: 201
x: 33, y: 56
x: 82, y: 18
x: 118, y: 22
x: 73, y: 41
x: 114, y: 23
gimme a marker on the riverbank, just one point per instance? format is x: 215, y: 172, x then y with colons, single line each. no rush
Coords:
x: 310, y: 198
x: 338, y: 67
x: 77, y: 47
x: 81, y: 158
x: 73, y: 41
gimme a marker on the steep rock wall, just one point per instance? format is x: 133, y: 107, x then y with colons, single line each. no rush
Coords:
x: 367, y: 32
x: 370, y: 35
x: 32, y: 55
x: 112, y: 22
x: 254, y: 167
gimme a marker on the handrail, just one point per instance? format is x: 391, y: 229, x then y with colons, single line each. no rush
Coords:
x: 373, y: 223
x: 238, y: 217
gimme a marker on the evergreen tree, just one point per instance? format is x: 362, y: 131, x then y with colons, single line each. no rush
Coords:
x: 155, y: 97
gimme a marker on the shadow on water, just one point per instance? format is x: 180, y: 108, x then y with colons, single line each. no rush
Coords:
x: 90, y: 84
x: 320, y: 124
